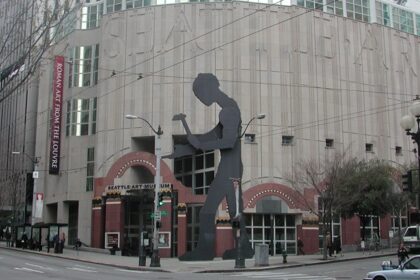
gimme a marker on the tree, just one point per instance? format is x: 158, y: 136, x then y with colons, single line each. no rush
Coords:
x: 367, y: 191
x: 324, y: 180
x: 27, y: 29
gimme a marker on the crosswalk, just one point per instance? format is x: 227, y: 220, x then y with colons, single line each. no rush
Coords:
x: 281, y: 276
x: 41, y: 269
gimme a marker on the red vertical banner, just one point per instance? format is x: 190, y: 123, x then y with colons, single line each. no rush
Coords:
x: 56, y: 115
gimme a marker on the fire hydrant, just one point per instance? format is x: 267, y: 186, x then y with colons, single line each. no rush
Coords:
x: 284, y: 254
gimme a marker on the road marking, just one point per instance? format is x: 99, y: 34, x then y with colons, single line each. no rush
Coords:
x: 81, y: 269
x: 281, y: 276
x: 42, y: 267
x: 134, y: 271
x: 84, y: 266
x: 28, y: 269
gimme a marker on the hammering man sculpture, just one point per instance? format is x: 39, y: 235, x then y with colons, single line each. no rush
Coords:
x: 225, y: 137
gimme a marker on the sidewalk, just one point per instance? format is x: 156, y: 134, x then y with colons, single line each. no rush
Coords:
x: 217, y: 265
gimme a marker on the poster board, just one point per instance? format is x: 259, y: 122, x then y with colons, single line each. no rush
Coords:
x: 164, y: 239
x: 111, y: 238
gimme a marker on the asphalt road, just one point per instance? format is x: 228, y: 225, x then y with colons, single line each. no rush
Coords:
x: 16, y: 265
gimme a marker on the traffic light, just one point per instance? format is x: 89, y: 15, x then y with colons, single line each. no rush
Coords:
x: 160, y: 200
x: 407, y: 182
x: 158, y: 224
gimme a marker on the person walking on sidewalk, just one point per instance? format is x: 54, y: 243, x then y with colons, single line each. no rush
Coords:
x: 300, y: 246
x: 8, y: 237
x: 330, y: 248
x: 402, y: 254
x: 337, y: 245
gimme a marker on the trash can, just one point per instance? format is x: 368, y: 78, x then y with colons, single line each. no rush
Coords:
x: 261, y: 255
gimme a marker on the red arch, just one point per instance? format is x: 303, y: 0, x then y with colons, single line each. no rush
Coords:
x: 288, y: 195
x: 148, y: 161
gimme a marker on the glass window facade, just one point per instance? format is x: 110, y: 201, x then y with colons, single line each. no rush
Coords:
x: 81, y: 117
x: 196, y: 171
x: 113, y: 6
x: 90, y: 169
x: 382, y: 13
x: 91, y: 16
x: 403, y: 20
x: 276, y: 230
x: 358, y: 9
x: 84, y: 66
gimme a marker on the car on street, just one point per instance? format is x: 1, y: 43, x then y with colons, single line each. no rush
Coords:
x: 408, y: 270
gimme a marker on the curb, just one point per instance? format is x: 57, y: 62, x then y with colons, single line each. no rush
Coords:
x: 233, y: 270
x: 87, y: 261
x: 285, y: 266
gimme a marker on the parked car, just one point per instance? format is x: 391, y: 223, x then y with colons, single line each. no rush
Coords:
x: 408, y: 270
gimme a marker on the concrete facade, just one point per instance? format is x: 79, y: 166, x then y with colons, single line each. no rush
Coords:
x: 316, y: 76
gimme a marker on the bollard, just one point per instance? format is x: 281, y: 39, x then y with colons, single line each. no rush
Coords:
x: 284, y: 254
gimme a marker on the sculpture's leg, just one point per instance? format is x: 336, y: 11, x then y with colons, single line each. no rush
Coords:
x: 205, y: 248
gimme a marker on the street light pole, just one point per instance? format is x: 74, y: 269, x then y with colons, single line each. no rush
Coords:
x: 155, y: 260
x: 35, y: 162
x: 240, y: 259
x: 407, y: 123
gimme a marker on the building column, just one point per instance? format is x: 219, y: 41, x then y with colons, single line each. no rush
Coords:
x: 97, y: 238
x: 114, y: 221
x: 182, y: 229
x: 224, y: 238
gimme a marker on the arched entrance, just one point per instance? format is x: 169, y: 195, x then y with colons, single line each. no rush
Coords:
x: 273, y: 217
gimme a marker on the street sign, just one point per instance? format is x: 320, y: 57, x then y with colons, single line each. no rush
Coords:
x: 158, y: 215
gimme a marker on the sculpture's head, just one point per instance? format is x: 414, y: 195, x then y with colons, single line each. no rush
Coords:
x: 206, y: 87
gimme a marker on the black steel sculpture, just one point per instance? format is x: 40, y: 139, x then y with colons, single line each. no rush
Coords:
x: 225, y: 137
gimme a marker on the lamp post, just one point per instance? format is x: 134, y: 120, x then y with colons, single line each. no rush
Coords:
x: 408, y: 122
x: 35, y: 162
x: 240, y: 259
x: 155, y: 260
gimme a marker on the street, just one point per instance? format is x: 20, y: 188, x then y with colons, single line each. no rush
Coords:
x: 16, y: 265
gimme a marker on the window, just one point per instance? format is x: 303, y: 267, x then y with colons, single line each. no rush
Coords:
x: 90, y: 169
x: 91, y: 16
x: 329, y: 143
x: 382, y: 14
x: 369, y: 147
x: 113, y: 6
x: 81, y: 117
x: 193, y: 226
x: 371, y: 228
x: 249, y: 138
x: 403, y: 20
x: 133, y: 4
x: 84, y: 69
x: 398, y: 151
x: 311, y: 4
x: 196, y: 171
x: 335, y: 7
x: 358, y: 9
x: 287, y: 140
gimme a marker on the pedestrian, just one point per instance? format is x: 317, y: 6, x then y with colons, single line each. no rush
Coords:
x: 78, y: 244
x: 56, y: 243
x: 337, y: 245
x: 402, y: 254
x: 62, y: 241
x: 24, y: 240
x: 8, y: 237
x: 300, y: 246
x: 330, y: 248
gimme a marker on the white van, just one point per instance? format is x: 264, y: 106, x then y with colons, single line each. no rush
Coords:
x: 411, y: 237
